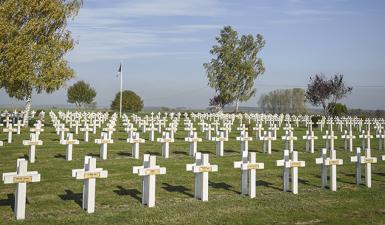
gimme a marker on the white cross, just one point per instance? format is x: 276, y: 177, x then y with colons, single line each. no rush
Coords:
x: 208, y: 129
x: 76, y: 124
x: 37, y: 130
x: 9, y: 129
x: 135, y: 141
x: 294, y: 164
x: 148, y: 171
x: 289, y: 140
x: 274, y: 129
x: 130, y: 129
x: 365, y: 139
x: 321, y: 123
x: 89, y: 174
x: 259, y: 130
x: 309, y: 137
x: 109, y: 129
x: 172, y: 128
x: 244, y: 139
x: 202, y: 124
x: 21, y: 177
x: 165, y: 140
x: 333, y: 162
x: 86, y: 129
x: 368, y: 160
x: 348, y: 138
x: 69, y: 142
x: 226, y: 128
x: 96, y: 123
x: 193, y: 139
x: 7, y: 121
x: 32, y: 146
x: 329, y: 140
x: 248, y: 168
x: 381, y: 141
x: 152, y: 130
x: 322, y: 161
x: 61, y: 129
x: 201, y: 169
x: 219, y: 143
x: 103, y: 142
x: 242, y: 127
x: 267, y: 138
x: 19, y: 124
x: 286, y: 171
x: 189, y: 128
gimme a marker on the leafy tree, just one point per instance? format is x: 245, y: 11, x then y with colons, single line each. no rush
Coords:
x: 283, y: 101
x: 337, y: 109
x: 33, y: 41
x: 80, y: 94
x: 130, y: 102
x: 322, y: 91
x: 235, y: 67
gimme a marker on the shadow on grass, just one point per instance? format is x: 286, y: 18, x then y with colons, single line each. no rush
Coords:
x: 134, y: 193
x: 222, y: 185
x: 93, y: 154
x: 230, y: 151
x: 124, y: 154
x: 152, y: 153
x: 180, y: 152
x: 9, y: 201
x: 60, y: 156
x: 207, y: 152
x: 350, y: 174
x: 25, y: 156
x: 306, y: 182
x: 173, y: 188
x: 379, y: 174
x: 342, y: 181
x: 71, y: 196
x: 261, y: 183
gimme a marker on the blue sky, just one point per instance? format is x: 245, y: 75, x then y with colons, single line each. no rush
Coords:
x: 163, y: 45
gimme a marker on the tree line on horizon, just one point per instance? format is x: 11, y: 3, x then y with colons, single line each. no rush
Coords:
x: 35, y: 38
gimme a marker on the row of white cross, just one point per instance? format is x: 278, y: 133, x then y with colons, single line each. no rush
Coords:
x: 201, y: 167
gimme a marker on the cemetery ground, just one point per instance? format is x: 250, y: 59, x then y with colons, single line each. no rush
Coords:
x: 57, y: 198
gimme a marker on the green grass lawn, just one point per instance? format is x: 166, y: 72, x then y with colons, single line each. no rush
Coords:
x: 57, y: 198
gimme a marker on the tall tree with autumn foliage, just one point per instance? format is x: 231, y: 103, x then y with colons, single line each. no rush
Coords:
x: 33, y: 41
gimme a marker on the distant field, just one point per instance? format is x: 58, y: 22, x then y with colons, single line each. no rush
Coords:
x: 57, y: 198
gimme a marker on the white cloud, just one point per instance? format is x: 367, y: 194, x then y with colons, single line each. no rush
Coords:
x: 109, y: 32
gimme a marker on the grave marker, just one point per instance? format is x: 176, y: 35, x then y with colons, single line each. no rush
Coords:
x: 69, y: 142
x: 248, y: 168
x: 89, y: 174
x: 21, y: 177
x: 201, y: 169
x: 148, y: 171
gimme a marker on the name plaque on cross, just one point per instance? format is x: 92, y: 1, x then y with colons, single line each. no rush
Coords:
x: 22, y: 179
x: 334, y: 162
x: 89, y: 175
x: 203, y: 169
x: 295, y: 164
x: 152, y: 171
x: 369, y: 160
x: 255, y: 166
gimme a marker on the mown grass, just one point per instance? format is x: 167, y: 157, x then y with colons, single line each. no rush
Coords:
x: 57, y: 198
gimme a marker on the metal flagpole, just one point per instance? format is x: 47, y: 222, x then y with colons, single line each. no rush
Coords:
x: 121, y: 89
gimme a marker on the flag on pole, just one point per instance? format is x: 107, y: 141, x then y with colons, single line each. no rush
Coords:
x: 119, y: 70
